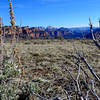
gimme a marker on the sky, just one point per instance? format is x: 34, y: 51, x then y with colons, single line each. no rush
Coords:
x: 56, y: 13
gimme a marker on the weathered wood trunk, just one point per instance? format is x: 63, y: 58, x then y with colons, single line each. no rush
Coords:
x: 1, y: 43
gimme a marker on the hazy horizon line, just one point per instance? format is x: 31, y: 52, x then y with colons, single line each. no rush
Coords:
x: 53, y: 26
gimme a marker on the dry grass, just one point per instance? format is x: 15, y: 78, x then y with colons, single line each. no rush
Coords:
x: 43, y: 61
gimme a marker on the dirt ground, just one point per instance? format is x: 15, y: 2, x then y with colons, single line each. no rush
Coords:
x: 44, y: 60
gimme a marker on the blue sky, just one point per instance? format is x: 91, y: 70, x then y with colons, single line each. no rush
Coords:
x: 57, y: 13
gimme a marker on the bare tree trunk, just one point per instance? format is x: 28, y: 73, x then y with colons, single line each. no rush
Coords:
x: 1, y: 43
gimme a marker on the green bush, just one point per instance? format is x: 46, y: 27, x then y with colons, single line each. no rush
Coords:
x: 10, y: 88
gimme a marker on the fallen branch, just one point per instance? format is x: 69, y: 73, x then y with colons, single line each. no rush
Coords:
x: 68, y: 96
x: 89, y: 67
x: 37, y: 95
x: 76, y: 82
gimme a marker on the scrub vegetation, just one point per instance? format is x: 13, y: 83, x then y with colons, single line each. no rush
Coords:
x: 49, y: 69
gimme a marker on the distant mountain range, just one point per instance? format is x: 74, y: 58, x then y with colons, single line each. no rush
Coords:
x: 72, y: 29
x: 52, y: 32
x: 76, y: 32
